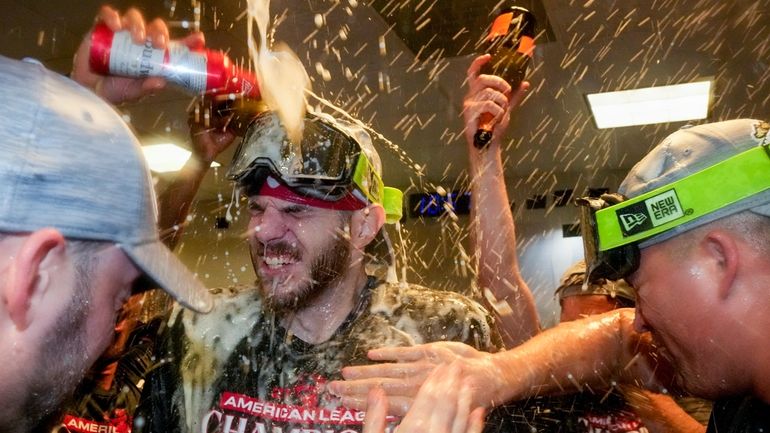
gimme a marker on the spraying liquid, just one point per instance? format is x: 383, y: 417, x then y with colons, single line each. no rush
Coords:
x: 283, y: 80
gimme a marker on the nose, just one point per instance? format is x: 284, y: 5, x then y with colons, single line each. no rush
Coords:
x: 639, y: 323
x: 269, y: 225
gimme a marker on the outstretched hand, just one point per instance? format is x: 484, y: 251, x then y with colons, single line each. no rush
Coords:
x: 407, y: 369
x: 115, y: 89
x: 443, y: 405
x: 489, y: 94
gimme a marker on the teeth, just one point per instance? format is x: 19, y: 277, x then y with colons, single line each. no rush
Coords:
x: 275, y: 262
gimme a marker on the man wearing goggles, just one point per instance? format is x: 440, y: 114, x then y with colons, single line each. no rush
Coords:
x: 260, y: 362
x: 697, y: 217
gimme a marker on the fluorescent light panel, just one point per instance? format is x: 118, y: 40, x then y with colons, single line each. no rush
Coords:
x: 650, y: 105
x: 167, y: 157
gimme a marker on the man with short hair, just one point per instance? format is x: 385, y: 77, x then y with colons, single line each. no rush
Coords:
x: 692, y: 237
x: 77, y: 235
x: 578, y: 300
x: 263, y: 358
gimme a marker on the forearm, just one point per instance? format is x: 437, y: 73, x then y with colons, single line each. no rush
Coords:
x: 599, y: 351
x: 175, y: 201
x: 494, y: 237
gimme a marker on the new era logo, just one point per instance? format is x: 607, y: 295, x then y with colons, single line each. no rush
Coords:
x: 653, y: 212
x: 632, y: 220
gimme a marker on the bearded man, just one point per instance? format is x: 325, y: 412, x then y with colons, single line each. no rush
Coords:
x: 261, y: 361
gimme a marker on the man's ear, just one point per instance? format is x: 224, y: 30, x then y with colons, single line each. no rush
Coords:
x: 28, y: 273
x: 365, y: 225
x: 724, y: 253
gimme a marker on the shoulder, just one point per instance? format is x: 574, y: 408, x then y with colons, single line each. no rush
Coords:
x: 233, y: 307
x: 211, y: 338
x: 387, y: 296
x: 433, y: 315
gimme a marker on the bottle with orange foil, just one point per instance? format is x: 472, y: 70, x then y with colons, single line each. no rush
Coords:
x: 511, y: 42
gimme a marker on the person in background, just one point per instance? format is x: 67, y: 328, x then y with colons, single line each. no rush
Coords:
x: 78, y: 236
x: 578, y: 300
x: 510, y: 298
x: 628, y: 408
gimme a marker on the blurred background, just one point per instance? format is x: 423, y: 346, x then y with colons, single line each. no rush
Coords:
x: 399, y: 66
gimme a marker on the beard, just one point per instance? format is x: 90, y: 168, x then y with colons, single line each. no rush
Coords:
x: 63, y: 355
x: 326, y: 268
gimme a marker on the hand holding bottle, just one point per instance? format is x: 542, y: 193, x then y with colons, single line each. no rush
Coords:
x: 511, y: 44
x: 492, y: 98
x: 117, y: 89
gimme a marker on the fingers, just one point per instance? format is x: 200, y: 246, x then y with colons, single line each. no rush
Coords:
x: 443, y: 404
x: 430, y: 351
x: 151, y: 85
x: 463, y: 405
x: 476, y: 420
x: 475, y: 68
x: 157, y: 33
x: 110, y: 17
x: 401, y: 354
x: 390, y: 386
x: 519, y: 95
x: 390, y: 370
x: 376, y: 411
x: 133, y: 21
x: 397, y: 406
x: 195, y: 41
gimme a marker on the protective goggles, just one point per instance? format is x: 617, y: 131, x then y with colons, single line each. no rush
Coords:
x: 328, y: 164
x: 613, y: 228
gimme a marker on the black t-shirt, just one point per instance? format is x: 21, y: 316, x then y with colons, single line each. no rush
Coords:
x: 740, y: 415
x: 601, y: 412
x: 95, y: 409
x: 238, y: 369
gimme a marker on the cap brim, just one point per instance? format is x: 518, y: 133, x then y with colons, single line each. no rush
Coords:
x: 168, y: 272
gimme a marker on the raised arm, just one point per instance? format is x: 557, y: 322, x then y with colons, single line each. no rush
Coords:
x: 492, y: 226
x: 175, y: 201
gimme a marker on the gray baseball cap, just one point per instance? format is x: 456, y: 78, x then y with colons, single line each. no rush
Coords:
x: 690, y: 150
x: 70, y: 162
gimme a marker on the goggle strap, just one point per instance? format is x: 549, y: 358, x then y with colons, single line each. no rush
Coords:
x: 366, y: 178
x: 392, y: 202
x: 689, y: 198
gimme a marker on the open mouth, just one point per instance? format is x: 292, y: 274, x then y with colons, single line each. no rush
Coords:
x: 277, y: 262
x: 279, y: 255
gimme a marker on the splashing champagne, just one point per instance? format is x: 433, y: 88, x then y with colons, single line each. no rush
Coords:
x: 283, y: 79
x: 208, y: 72
x: 511, y: 43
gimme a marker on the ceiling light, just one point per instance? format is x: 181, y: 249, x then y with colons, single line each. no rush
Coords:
x: 650, y: 105
x: 166, y: 157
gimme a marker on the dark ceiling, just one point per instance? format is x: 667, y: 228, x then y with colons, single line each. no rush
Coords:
x: 432, y: 29
x: 412, y: 95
